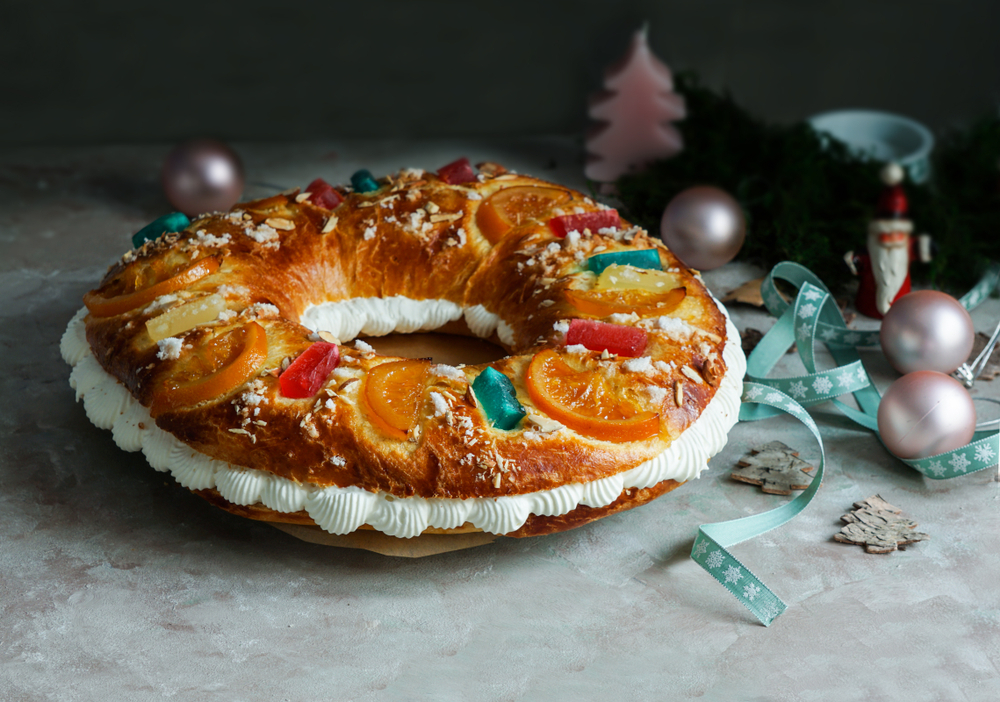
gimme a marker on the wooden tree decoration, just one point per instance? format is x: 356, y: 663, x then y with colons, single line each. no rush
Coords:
x: 776, y: 468
x: 633, y: 112
x: 878, y: 526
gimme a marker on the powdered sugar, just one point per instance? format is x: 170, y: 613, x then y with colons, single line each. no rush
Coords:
x: 170, y: 348
x: 448, y: 371
x: 203, y: 238
x: 440, y: 404
x: 642, y: 364
x: 264, y: 234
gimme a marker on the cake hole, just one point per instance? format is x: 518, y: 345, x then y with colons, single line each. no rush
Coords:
x: 451, y: 349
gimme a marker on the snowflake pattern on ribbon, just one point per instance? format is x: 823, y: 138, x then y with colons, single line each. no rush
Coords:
x: 985, y: 453
x: 822, y: 385
x: 972, y: 458
x: 736, y: 578
x: 959, y: 463
x: 734, y: 574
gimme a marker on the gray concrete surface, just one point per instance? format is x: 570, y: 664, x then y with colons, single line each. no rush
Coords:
x: 116, y: 584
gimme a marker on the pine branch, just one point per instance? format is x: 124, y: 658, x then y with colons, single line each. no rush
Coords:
x: 808, y: 199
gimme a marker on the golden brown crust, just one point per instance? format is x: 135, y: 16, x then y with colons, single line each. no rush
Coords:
x: 419, y: 239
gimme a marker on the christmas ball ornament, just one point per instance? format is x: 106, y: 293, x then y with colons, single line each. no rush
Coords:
x: 202, y: 176
x: 926, y: 413
x: 704, y: 227
x: 927, y: 330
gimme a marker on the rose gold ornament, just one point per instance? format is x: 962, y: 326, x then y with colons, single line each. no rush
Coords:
x: 202, y: 176
x: 926, y: 413
x: 927, y: 330
x: 704, y: 227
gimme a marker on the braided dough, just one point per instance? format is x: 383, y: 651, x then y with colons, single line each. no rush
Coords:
x: 407, y: 257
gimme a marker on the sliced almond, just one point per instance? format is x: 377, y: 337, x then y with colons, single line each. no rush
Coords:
x: 713, y: 371
x: 446, y: 217
x: 331, y: 223
x: 470, y: 397
x: 280, y: 223
x: 679, y: 393
x: 692, y: 374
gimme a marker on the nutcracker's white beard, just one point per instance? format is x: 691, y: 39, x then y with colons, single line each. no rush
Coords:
x: 890, y: 266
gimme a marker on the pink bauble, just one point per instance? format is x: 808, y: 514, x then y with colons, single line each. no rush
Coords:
x: 704, y: 227
x: 202, y: 176
x: 926, y: 413
x: 927, y: 330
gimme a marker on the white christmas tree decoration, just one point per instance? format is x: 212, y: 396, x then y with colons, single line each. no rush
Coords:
x: 633, y: 112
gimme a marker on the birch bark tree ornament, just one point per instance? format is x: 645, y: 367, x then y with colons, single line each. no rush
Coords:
x: 878, y: 526
x: 633, y: 115
x: 776, y: 468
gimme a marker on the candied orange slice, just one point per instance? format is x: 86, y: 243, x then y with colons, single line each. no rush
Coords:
x: 392, y: 392
x: 511, y: 207
x: 225, y: 362
x: 144, y: 287
x: 601, y: 303
x: 587, y: 400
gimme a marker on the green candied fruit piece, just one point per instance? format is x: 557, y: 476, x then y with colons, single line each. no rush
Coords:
x: 496, y: 394
x: 364, y: 182
x: 173, y: 222
x: 642, y: 258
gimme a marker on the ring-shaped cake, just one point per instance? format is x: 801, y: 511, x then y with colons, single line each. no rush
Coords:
x: 223, y: 352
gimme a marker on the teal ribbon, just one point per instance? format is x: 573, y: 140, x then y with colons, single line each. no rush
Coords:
x: 814, y: 316
x: 710, y: 549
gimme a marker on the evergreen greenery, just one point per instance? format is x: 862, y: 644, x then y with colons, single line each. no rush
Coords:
x: 808, y: 199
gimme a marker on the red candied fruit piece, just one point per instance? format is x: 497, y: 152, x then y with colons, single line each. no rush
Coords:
x: 594, y: 221
x: 307, y: 373
x: 598, y: 336
x: 457, y: 172
x: 322, y: 194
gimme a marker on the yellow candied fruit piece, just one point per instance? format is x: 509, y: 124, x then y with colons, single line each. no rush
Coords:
x: 618, y: 277
x: 187, y: 316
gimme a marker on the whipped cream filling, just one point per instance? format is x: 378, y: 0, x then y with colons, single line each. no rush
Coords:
x: 481, y: 321
x: 376, y: 316
x: 342, y: 510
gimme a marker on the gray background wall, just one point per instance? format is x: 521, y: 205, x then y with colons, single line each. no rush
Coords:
x: 144, y: 72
